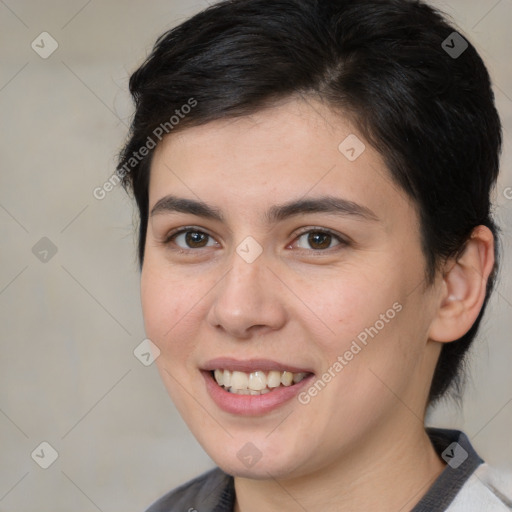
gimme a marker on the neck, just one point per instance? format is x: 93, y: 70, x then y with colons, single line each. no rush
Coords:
x: 389, y: 472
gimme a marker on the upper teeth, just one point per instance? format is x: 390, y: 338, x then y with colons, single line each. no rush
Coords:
x: 256, y: 381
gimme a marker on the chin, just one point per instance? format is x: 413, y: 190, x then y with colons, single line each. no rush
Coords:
x: 260, y: 470
x: 250, y: 462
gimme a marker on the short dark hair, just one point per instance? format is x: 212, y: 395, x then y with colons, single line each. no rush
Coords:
x: 384, y: 63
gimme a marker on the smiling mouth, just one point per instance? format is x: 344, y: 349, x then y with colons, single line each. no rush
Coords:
x: 257, y: 382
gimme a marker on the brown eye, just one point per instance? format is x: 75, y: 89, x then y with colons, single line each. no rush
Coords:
x: 191, y: 239
x: 195, y: 239
x: 318, y: 240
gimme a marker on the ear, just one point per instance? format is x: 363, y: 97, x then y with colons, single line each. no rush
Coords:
x: 463, y: 287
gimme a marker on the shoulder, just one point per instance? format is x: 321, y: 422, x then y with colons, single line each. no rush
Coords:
x: 487, y: 489
x: 206, y: 492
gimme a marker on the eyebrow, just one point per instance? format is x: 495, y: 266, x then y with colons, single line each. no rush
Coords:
x: 324, y: 204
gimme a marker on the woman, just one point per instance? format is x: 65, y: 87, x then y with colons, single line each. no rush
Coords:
x: 317, y: 249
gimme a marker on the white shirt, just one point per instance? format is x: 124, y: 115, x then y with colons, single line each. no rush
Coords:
x: 486, y: 489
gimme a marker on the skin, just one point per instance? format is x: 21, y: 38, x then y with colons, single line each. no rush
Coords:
x: 360, y: 443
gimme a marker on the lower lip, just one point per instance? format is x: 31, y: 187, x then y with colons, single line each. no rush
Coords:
x: 251, y: 405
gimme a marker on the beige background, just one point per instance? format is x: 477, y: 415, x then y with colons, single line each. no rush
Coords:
x: 68, y: 375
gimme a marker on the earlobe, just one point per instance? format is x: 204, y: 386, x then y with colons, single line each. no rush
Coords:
x: 464, y: 285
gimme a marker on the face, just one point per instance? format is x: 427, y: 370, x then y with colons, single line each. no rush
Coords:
x: 279, y: 251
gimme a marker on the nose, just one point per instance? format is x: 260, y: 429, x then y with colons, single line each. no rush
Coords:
x: 248, y: 299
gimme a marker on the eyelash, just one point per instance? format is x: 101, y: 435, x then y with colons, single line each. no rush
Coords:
x: 171, y: 236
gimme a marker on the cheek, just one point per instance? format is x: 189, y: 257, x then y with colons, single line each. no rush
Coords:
x: 350, y: 305
x: 169, y: 307
x: 381, y: 342
x: 370, y: 329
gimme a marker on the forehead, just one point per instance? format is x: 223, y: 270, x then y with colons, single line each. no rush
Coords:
x: 293, y: 150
